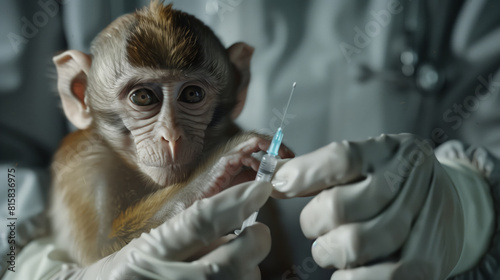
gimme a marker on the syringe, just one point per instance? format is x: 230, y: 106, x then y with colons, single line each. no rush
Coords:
x: 268, y: 162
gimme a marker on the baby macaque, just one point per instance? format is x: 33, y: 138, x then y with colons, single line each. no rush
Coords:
x: 155, y: 104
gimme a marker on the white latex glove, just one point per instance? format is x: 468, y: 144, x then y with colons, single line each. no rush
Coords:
x: 164, y: 252
x: 393, y: 211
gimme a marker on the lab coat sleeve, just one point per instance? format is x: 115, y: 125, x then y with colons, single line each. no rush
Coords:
x: 489, y: 166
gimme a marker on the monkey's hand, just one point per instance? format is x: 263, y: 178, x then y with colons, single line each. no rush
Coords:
x: 235, y: 163
x: 164, y: 251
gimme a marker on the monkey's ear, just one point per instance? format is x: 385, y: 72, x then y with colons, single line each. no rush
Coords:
x: 240, y: 55
x: 72, y: 70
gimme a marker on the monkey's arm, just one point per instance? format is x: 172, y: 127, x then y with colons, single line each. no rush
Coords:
x: 90, y: 187
x: 74, y: 209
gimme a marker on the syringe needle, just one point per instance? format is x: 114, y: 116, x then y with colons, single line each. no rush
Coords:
x: 288, y: 104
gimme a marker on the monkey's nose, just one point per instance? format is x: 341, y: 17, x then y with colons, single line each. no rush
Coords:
x: 173, y: 144
x: 172, y: 136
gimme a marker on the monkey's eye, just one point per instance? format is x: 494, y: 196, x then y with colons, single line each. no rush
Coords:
x: 192, y: 94
x: 143, y: 97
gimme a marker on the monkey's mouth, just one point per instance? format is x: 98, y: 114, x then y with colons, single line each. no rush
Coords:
x: 167, y: 174
x: 166, y: 164
x: 162, y: 154
x: 162, y: 160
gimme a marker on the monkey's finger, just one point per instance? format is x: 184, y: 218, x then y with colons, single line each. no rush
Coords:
x: 242, y: 154
x: 256, y: 144
x: 252, y: 145
x: 205, y: 221
x: 244, y: 176
x: 250, y: 161
x: 285, y: 152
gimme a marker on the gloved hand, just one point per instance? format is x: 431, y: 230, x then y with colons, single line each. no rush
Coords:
x: 387, y: 209
x: 167, y: 252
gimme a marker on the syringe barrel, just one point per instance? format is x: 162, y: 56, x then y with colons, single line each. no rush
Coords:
x: 266, y: 168
x: 265, y: 173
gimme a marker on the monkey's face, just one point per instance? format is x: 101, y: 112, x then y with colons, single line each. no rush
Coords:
x: 151, y: 87
x: 166, y: 114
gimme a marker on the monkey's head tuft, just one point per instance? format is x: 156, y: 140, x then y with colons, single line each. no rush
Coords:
x: 164, y: 38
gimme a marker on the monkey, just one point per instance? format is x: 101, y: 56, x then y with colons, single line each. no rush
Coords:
x: 154, y: 104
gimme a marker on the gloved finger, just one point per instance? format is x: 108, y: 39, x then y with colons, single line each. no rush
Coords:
x: 150, y: 267
x: 181, y: 270
x: 255, y: 275
x: 363, y: 200
x: 239, y: 258
x: 331, y: 165
x: 343, y: 204
x: 355, y: 244
x: 211, y: 247
x: 385, y: 271
x: 381, y: 271
x: 344, y: 162
x: 275, y: 193
x: 205, y: 221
